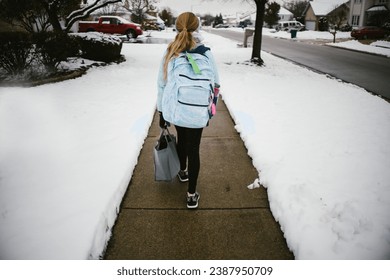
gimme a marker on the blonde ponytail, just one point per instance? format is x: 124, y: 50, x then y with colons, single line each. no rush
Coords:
x: 186, y: 23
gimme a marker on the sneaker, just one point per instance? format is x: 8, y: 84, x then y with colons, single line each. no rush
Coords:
x: 192, y: 200
x: 183, y: 176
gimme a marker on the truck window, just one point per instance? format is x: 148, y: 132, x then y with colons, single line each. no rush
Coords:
x: 114, y: 21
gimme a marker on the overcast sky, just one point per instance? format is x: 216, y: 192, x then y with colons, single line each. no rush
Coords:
x: 212, y: 7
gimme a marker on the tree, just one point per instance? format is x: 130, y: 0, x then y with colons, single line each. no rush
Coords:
x: 338, y: 16
x: 379, y: 18
x: 26, y: 14
x: 323, y: 24
x: 56, y: 9
x: 271, y: 15
x: 38, y: 15
x: 85, y: 11
x: 109, y: 9
x: 257, y: 38
x: 139, y: 8
x: 208, y: 20
x: 166, y: 16
x: 297, y: 7
x: 218, y: 20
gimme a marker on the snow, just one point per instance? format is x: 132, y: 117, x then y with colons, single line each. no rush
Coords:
x: 323, y: 7
x: 301, y: 35
x: 379, y: 47
x: 68, y: 150
x: 306, y: 35
x: 99, y: 37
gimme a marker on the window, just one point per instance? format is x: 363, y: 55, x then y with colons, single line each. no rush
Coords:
x: 355, y: 20
x: 358, y: 1
x: 114, y: 21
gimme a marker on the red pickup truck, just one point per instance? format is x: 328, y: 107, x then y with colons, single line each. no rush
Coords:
x: 112, y: 25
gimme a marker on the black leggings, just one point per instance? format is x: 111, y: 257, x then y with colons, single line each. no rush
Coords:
x: 188, y: 142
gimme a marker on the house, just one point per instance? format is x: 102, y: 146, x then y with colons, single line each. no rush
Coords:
x: 230, y: 20
x: 318, y: 10
x: 249, y: 17
x: 285, y: 15
x: 369, y: 12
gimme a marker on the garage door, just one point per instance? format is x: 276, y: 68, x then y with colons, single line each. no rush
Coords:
x: 310, y: 25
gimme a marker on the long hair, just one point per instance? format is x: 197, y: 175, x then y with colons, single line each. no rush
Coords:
x: 186, y: 23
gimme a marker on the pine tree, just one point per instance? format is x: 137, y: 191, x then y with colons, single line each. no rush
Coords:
x: 271, y: 15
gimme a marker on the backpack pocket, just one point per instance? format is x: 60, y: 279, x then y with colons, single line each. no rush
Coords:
x: 194, y: 96
x: 193, y: 106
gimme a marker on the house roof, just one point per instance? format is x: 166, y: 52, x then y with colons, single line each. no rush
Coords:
x: 284, y: 11
x: 252, y: 14
x: 377, y: 8
x: 324, y: 7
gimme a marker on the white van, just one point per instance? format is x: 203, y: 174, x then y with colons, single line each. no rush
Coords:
x: 288, y: 25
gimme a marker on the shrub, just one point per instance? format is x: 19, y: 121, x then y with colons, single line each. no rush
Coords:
x: 99, y: 46
x: 16, y: 52
x: 54, y: 47
x: 24, y: 56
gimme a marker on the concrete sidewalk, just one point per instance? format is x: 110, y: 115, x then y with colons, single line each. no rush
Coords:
x: 232, y: 222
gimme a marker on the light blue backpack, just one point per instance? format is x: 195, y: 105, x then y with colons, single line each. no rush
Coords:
x: 189, y: 93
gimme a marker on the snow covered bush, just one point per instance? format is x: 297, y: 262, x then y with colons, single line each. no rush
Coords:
x: 54, y: 47
x: 99, y: 46
x: 27, y: 57
x: 16, y: 52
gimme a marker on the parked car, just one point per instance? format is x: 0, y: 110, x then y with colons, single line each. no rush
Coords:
x: 222, y: 25
x: 112, y: 25
x: 368, y: 32
x: 160, y: 26
x: 288, y: 25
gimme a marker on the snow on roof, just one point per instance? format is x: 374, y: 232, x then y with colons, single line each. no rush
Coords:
x: 150, y: 17
x: 377, y: 8
x: 252, y: 14
x: 324, y: 7
x: 284, y: 11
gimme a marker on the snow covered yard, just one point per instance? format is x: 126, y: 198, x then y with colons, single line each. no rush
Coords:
x: 67, y: 152
x: 378, y: 47
x: 343, y: 40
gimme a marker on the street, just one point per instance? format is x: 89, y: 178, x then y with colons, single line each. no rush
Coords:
x: 365, y: 70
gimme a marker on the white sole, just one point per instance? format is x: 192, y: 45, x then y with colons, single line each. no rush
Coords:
x: 195, y: 206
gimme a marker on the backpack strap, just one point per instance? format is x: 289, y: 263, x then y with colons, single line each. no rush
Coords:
x: 201, y: 49
x: 193, y: 63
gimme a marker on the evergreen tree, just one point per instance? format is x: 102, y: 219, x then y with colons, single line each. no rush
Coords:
x: 208, y: 19
x: 166, y: 16
x: 218, y: 20
x: 271, y: 16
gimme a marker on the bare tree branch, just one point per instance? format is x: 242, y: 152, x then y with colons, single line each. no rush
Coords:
x: 86, y: 11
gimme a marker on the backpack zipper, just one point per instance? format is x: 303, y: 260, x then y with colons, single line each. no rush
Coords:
x: 194, y: 79
x: 190, y: 104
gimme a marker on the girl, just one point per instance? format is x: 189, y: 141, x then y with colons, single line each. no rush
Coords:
x: 188, y: 39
